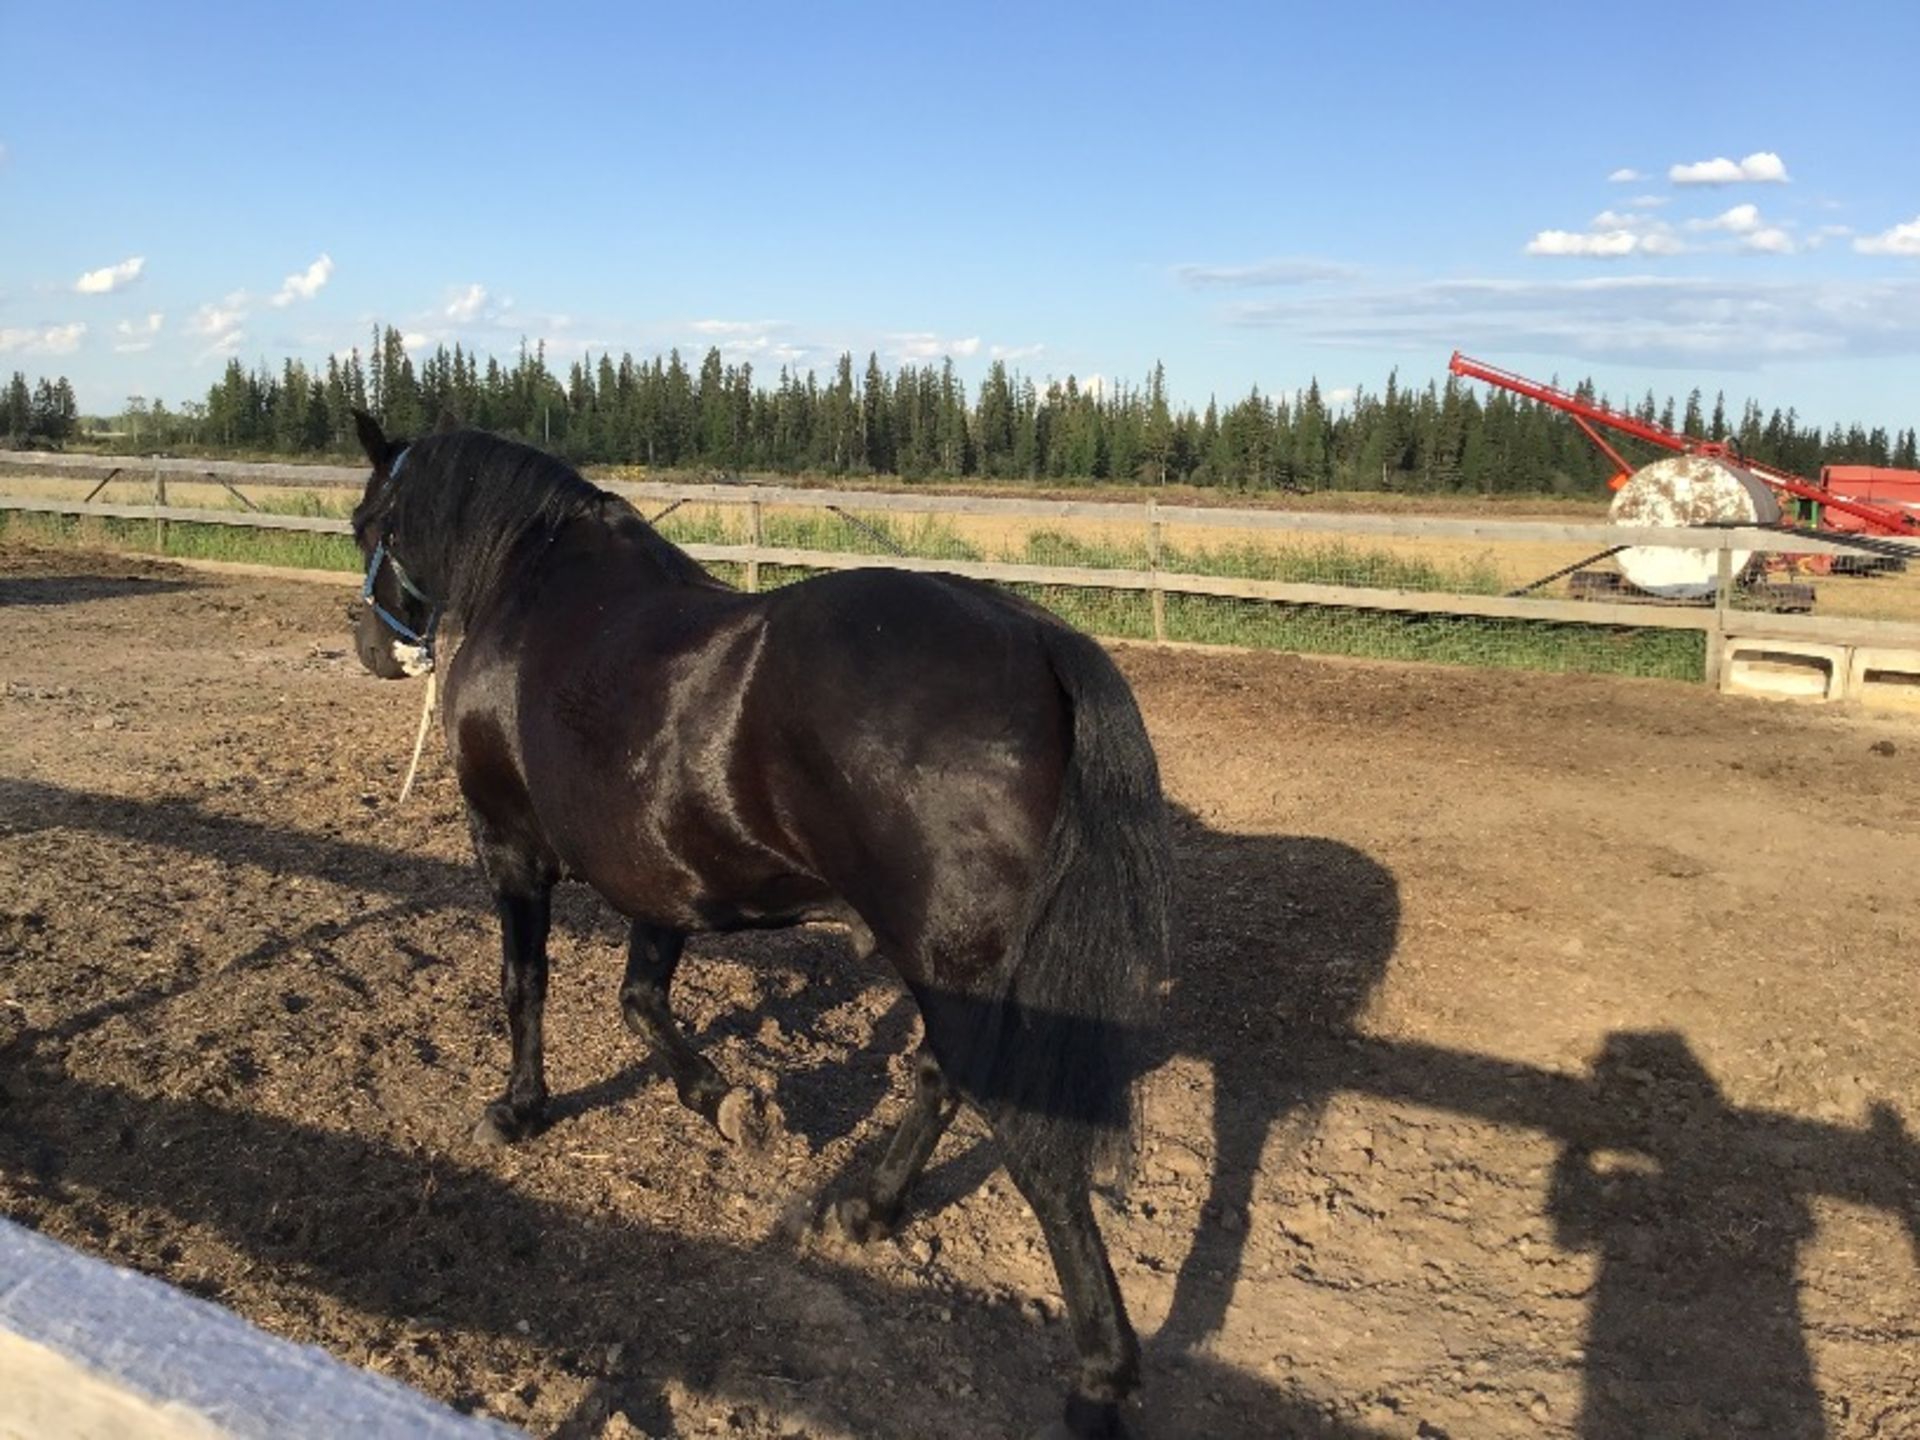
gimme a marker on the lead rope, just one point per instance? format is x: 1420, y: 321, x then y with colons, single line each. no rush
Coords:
x: 420, y: 736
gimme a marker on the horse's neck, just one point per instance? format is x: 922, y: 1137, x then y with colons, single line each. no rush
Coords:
x: 666, y: 563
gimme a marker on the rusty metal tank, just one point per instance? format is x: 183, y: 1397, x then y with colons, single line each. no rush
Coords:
x: 1687, y: 490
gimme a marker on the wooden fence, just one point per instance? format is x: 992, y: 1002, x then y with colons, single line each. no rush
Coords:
x: 1718, y: 622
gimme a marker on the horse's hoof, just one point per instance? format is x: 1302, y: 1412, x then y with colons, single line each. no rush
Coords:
x: 500, y: 1126
x: 1063, y: 1430
x: 1088, y: 1419
x: 749, y: 1119
x: 857, y: 1220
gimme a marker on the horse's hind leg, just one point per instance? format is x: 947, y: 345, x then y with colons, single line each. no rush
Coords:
x: 875, y: 1212
x: 1102, y: 1334
x: 525, y: 909
x: 653, y: 955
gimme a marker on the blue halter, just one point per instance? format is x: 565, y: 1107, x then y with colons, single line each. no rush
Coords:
x: 422, y: 638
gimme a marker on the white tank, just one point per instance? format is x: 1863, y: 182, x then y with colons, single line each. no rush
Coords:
x: 1687, y: 490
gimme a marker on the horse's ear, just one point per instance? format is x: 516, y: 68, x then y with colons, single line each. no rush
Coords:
x: 449, y: 422
x: 372, y: 439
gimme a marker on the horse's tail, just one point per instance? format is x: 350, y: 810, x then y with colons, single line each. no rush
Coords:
x: 1069, y: 1031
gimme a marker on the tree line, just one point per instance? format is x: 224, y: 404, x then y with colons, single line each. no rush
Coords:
x: 46, y: 413
x: 922, y: 421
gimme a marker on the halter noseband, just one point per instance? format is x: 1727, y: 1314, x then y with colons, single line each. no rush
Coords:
x: 421, y: 638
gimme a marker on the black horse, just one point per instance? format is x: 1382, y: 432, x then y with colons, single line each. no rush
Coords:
x: 959, y: 778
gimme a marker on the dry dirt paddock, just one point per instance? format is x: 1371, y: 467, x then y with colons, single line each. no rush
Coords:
x: 1543, y: 1060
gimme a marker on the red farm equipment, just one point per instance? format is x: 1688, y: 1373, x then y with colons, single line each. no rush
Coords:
x: 1710, y: 482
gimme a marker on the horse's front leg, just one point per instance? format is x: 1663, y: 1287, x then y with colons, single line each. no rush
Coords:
x: 653, y: 955
x: 523, y: 899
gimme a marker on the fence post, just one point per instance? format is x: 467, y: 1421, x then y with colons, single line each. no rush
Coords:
x: 1158, y: 595
x: 160, y: 499
x: 1722, y: 600
x: 754, y: 537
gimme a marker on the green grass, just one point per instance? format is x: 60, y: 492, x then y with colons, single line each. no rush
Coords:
x: 292, y: 548
x: 1438, y: 639
x: 710, y: 526
x: 1329, y: 563
x: 334, y: 506
x: 927, y: 536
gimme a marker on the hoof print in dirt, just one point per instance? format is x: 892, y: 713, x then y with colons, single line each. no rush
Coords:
x: 855, y: 1219
x: 749, y: 1120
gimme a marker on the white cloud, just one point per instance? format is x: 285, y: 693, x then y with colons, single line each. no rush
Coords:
x: 924, y: 345
x: 1340, y: 395
x: 414, y: 340
x: 47, y: 340
x: 1624, y: 234
x: 219, y: 318
x: 474, y: 307
x: 109, y: 278
x: 1738, y: 221
x: 1761, y: 167
x: 1756, y: 234
x: 752, y: 341
x: 733, y: 327
x: 467, y: 305
x: 227, y: 346
x: 1611, y: 235
x: 1263, y: 272
x: 1636, y: 319
x: 138, y: 335
x: 1609, y: 244
x: 1649, y: 202
x: 304, y: 285
x: 1015, y: 352
x: 1900, y: 240
x: 1625, y: 175
x: 219, y: 322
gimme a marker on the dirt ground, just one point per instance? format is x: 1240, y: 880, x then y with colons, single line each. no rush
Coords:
x: 1542, y: 1061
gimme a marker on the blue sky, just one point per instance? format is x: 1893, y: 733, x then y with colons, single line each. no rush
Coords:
x: 1253, y: 194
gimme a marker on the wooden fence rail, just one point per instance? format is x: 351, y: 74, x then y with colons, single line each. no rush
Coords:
x: 1718, y: 621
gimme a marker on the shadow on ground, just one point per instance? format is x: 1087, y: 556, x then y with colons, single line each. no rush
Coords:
x: 1282, y: 939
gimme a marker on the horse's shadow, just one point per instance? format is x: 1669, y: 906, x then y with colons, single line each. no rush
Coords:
x: 1279, y: 942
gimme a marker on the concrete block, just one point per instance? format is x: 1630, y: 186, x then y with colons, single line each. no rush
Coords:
x: 1885, y: 679
x: 1784, y: 670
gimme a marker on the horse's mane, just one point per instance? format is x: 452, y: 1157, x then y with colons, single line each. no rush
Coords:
x: 469, y: 508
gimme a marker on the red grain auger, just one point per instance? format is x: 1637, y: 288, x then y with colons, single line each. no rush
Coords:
x: 1711, y: 482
